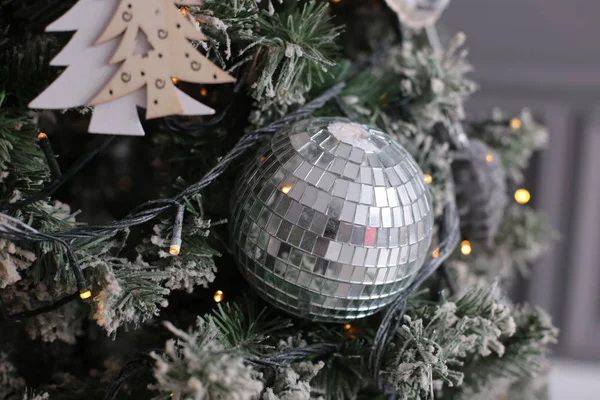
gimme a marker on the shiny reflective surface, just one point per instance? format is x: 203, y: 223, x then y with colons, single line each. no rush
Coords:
x: 331, y: 227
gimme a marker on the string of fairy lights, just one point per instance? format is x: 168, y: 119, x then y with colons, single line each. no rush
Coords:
x: 521, y: 195
x: 16, y: 230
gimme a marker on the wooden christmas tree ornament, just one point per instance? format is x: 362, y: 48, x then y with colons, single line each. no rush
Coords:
x: 120, y: 47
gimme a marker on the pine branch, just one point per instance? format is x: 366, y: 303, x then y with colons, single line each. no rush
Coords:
x: 515, y: 140
x: 433, y: 86
x: 441, y: 347
x: 197, y: 366
x: 345, y: 372
x: 295, y: 49
x: 523, y: 236
x: 230, y: 26
x: 524, y: 351
x: 246, y: 330
x: 23, y: 168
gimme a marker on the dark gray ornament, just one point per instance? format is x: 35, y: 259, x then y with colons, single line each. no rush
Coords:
x: 481, y: 195
x: 331, y: 220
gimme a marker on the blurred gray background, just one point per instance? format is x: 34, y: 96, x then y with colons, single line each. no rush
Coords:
x: 545, y: 54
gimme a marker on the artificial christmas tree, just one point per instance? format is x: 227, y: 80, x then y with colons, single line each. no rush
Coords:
x: 138, y: 295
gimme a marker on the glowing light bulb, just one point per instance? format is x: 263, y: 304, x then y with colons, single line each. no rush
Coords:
x: 174, y: 249
x: 515, y: 123
x: 203, y: 92
x: 183, y: 11
x: 218, y: 297
x: 42, y: 135
x: 174, y: 80
x: 347, y: 327
x: 286, y: 188
x: 489, y: 157
x: 86, y: 294
x: 435, y: 253
x: 428, y: 178
x: 336, y: 1
x: 465, y: 247
x: 522, y: 196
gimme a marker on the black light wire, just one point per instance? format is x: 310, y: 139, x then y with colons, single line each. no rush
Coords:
x: 55, y: 184
x: 13, y: 229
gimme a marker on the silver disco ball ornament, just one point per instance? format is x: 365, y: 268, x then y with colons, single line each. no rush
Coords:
x: 418, y: 13
x: 331, y: 220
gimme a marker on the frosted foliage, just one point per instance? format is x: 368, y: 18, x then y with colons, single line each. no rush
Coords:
x: 522, y: 370
x: 131, y: 294
x: 196, y: 367
x: 135, y: 291
x: 36, y: 396
x: 13, y: 260
x: 193, y: 266
x: 187, y: 276
x: 532, y: 388
x: 494, y: 390
x: 293, y: 383
x: 291, y: 342
x: 105, y: 314
x: 63, y: 324
x: 11, y: 384
x: 433, y: 85
x: 524, y: 235
x: 292, y: 57
x: 515, y: 146
x: 428, y: 356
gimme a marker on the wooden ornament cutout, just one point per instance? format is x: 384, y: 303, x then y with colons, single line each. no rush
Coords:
x: 88, y: 68
x: 109, y: 67
x: 172, y: 55
x: 119, y: 117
